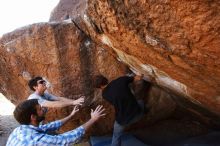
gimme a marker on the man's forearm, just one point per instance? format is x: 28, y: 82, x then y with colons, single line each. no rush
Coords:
x: 88, y: 124
x: 56, y: 104
x: 64, y: 120
x: 65, y: 99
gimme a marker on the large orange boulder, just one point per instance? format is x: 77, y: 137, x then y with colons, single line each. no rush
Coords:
x: 175, y: 44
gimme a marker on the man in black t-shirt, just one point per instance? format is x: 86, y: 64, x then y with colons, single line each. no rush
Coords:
x: 127, y: 109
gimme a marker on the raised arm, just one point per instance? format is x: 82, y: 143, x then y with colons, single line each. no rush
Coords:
x: 52, y: 126
x: 62, y: 102
x: 55, y: 104
x: 73, y: 136
x: 95, y: 115
x: 78, y: 101
x: 75, y: 110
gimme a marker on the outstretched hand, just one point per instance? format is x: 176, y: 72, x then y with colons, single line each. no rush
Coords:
x: 75, y: 110
x: 97, y: 113
x: 79, y: 101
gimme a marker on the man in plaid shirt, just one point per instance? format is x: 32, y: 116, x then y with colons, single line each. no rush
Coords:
x: 29, y: 114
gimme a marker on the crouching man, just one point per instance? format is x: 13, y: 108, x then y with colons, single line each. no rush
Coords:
x: 29, y: 114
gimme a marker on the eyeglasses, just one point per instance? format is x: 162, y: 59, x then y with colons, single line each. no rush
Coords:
x: 41, y: 82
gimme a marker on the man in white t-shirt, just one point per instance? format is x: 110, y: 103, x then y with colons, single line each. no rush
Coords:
x: 38, y: 85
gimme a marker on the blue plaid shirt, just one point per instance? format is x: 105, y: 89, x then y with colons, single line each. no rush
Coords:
x: 29, y: 135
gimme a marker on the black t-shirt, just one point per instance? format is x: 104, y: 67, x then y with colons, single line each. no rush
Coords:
x: 119, y: 95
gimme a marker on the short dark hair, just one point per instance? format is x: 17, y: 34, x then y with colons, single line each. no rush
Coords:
x: 99, y: 81
x: 33, y: 82
x: 24, y: 110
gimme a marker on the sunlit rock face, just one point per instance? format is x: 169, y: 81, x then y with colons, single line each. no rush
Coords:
x: 175, y: 44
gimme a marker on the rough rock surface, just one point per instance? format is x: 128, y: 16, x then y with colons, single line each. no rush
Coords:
x: 57, y: 51
x: 62, y: 54
x: 67, y: 59
x: 173, y: 43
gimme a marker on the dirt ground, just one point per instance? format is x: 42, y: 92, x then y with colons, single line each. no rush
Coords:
x: 7, y: 121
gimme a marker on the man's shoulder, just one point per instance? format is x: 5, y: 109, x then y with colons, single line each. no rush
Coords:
x: 17, y: 130
x: 20, y: 136
x: 116, y: 83
x: 122, y: 78
x: 12, y: 137
x: 33, y: 96
x: 110, y: 91
x: 49, y: 96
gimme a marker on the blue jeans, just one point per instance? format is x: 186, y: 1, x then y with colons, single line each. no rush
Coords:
x: 119, y: 129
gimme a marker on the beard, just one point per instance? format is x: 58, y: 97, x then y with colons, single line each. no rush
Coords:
x: 40, y: 118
